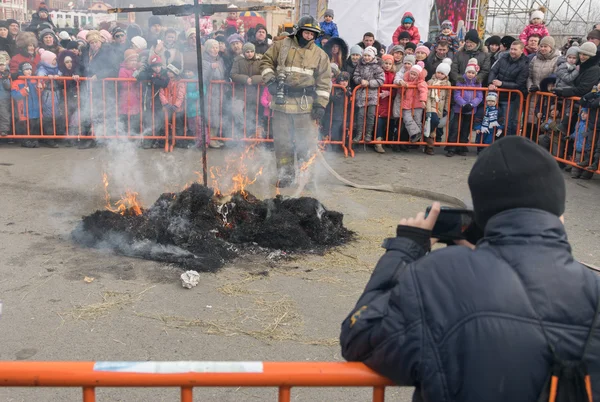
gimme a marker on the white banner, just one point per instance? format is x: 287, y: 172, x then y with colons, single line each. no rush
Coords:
x: 382, y: 17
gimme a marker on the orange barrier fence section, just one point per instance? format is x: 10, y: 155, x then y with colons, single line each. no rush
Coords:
x: 189, y: 374
x: 568, y: 130
x: 455, y: 129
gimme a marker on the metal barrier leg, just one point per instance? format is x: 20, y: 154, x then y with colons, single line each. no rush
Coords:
x: 378, y: 394
x: 285, y: 394
x: 187, y: 394
x: 89, y: 394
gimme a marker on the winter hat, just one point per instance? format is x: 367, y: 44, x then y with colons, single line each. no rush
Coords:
x: 472, y: 65
x: 370, y: 50
x: 106, y: 36
x: 154, y: 20
x: 11, y: 21
x: 47, y: 57
x: 248, y: 46
x: 130, y: 54
x: 46, y: 32
x: 473, y: 36
x: 4, y: 24
x: 444, y: 67
x: 573, y: 51
x: 408, y: 20
x: 447, y: 24
x: 548, y: 41
x: 25, y: 66
x: 447, y: 60
x: 387, y: 57
x: 356, y: 49
x: 404, y: 35
x: 82, y: 35
x: 139, y: 42
x: 133, y: 30
x: 43, y: 7
x: 515, y: 172
x: 328, y: 13
x: 64, y: 35
x: 506, y: 41
x: 410, y: 59
x: 416, y: 68
x: 190, y: 32
x: 93, y: 36
x: 72, y: 45
x: 344, y: 76
x: 62, y: 57
x: 410, y: 45
x: 154, y: 60
x: 588, y: 48
x: 235, y: 38
x: 260, y: 26
x: 575, y: 43
x: 494, y: 40
x: 397, y: 48
x: 211, y: 43
x: 423, y: 49
x: 173, y: 68
x: 117, y: 30
x: 492, y: 96
x: 594, y: 34
x: 537, y: 14
x: 24, y: 39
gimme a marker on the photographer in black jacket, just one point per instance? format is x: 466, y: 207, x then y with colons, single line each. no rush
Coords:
x: 468, y: 323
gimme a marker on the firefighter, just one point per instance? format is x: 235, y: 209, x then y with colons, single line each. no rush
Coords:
x: 298, y: 75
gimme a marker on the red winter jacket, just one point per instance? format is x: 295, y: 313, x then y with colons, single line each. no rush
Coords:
x: 415, y: 36
x: 385, y: 104
x: 19, y: 58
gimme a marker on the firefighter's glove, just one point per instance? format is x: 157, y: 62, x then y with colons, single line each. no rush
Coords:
x: 318, y: 112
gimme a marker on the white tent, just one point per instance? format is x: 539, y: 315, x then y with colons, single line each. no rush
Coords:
x: 382, y: 17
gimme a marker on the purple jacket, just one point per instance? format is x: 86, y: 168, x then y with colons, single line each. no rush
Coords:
x: 461, y: 98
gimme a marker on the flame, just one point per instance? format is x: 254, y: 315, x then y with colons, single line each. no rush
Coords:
x: 307, y: 163
x: 240, y: 179
x: 127, y: 205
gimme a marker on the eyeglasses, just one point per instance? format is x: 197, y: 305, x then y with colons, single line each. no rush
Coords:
x: 118, y: 36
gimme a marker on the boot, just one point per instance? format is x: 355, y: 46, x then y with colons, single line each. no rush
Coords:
x: 86, y: 144
x: 429, y: 147
x: 586, y: 175
x: 50, y: 143
x: 356, y: 139
x: 576, y: 173
x: 30, y: 144
x: 368, y: 138
x: 378, y: 147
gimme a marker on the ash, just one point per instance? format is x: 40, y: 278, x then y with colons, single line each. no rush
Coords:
x: 195, y: 229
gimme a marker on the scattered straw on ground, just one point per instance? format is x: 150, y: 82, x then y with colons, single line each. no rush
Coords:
x: 110, y: 301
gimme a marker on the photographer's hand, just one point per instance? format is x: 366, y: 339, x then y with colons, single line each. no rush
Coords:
x: 420, y: 221
x: 418, y: 229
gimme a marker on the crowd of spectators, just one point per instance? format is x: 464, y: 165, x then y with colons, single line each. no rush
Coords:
x: 159, y: 57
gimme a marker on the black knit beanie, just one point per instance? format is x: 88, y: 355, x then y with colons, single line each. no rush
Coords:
x: 473, y: 36
x: 507, y: 41
x: 494, y: 40
x: 515, y: 172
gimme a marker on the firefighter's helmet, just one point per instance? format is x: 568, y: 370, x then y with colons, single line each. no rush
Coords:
x: 308, y: 23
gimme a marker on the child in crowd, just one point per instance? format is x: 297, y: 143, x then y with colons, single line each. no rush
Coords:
x: 398, y: 52
x: 583, y: 144
x: 5, y: 108
x: 351, y: 63
x: 153, y: 78
x: 27, y: 107
x: 369, y: 76
x: 52, y: 108
x: 245, y: 73
x: 448, y: 35
x: 386, y: 124
x: 407, y: 25
x: 328, y: 27
x: 410, y: 48
x: 68, y: 64
x: 437, y: 100
x: 414, y: 100
x: 129, y: 95
x: 173, y: 96
x: 333, y: 121
x: 421, y: 54
x: 403, y: 39
x: 407, y: 64
x: 465, y: 107
x: 491, y: 122
x: 567, y: 71
x: 193, y: 118
x: 536, y: 26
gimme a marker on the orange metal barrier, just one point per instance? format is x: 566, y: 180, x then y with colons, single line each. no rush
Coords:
x: 546, y: 114
x: 394, y: 125
x: 67, y: 111
x: 187, y: 375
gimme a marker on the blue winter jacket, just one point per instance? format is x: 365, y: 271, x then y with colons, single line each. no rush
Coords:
x: 28, y: 107
x: 328, y: 28
x: 580, y: 138
x: 462, y: 325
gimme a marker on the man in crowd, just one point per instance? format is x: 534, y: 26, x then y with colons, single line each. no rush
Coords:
x: 490, y: 322
x: 473, y: 49
x: 510, y: 72
x: 369, y: 40
x: 306, y: 88
x: 261, y: 43
x: 435, y: 58
x: 154, y: 30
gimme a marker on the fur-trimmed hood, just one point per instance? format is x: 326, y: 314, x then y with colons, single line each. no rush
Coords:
x: 341, y: 43
x: 24, y: 39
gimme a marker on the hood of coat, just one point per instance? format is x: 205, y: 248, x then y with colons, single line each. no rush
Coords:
x: 336, y: 41
x: 61, y: 62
